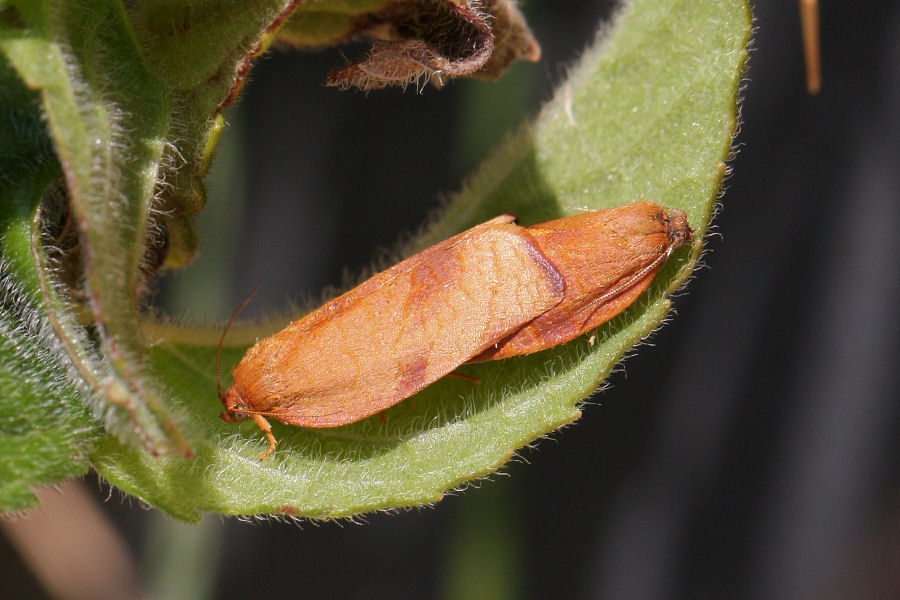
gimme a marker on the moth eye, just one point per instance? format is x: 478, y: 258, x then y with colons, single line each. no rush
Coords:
x: 233, y: 414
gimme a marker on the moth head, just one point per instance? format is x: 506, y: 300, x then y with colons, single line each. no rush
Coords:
x: 234, y: 407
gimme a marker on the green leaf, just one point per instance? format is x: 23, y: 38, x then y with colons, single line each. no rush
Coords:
x: 200, y: 52
x: 122, y: 129
x: 133, y: 125
x: 49, y: 441
x: 318, y: 23
x: 647, y: 114
x: 46, y: 431
x: 107, y: 118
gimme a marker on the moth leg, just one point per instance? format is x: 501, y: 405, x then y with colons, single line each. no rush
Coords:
x: 267, y: 430
x: 468, y: 378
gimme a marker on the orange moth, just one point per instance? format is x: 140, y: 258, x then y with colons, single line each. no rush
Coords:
x: 493, y: 291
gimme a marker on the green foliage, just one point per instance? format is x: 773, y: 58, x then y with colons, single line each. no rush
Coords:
x: 46, y: 428
x: 325, y: 22
x: 129, y: 101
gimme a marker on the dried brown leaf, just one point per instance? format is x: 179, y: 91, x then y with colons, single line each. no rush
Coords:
x: 433, y: 40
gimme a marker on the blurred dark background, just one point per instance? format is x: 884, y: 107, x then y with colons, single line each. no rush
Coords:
x: 751, y: 451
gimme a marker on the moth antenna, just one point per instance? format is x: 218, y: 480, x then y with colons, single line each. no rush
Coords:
x: 222, y: 339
